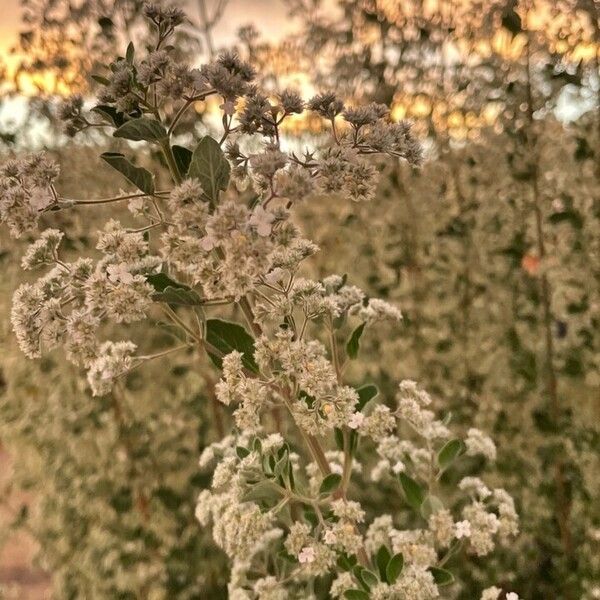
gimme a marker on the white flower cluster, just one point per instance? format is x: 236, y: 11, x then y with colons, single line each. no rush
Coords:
x: 66, y: 306
x: 25, y: 191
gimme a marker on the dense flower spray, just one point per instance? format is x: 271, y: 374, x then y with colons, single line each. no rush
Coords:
x: 304, y: 435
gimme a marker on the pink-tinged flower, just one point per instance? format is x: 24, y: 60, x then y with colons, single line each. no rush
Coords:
x: 307, y: 555
x: 462, y: 529
x: 119, y: 273
x: 262, y: 220
x: 356, y: 420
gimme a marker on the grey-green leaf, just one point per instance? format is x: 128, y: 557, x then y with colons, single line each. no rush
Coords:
x: 441, y: 576
x: 142, y: 129
x: 365, y: 393
x: 330, y: 483
x: 140, y: 177
x: 172, y: 292
x: 227, y: 337
x: 412, y: 490
x: 382, y: 559
x: 450, y: 452
x: 183, y: 158
x: 394, y: 568
x: 210, y: 167
x: 353, y: 344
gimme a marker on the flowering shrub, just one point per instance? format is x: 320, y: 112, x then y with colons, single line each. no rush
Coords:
x: 220, y: 265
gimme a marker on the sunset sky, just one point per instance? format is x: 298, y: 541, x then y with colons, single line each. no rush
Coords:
x: 268, y: 16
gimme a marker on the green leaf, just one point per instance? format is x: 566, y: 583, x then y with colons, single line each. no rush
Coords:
x: 101, y: 80
x: 130, y: 52
x: 441, y: 576
x: 330, y: 483
x: 227, y: 337
x: 356, y: 595
x: 365, y: 393
x: 394, y: 568
x: 140, y: 177
x: 210, y: 167
x: 183, y: 158
x: 450, y: 452
x: 241, y: 452
x: 412, y: 490
x: 172, y: 292
x: 382, y: 559
x: 353, y: 344
x: 369, y: 578
x: 110, y: 114
x: 142, y: 129
x: 263, y: 490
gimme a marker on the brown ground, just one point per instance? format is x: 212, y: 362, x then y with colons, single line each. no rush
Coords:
x: 19, y: 578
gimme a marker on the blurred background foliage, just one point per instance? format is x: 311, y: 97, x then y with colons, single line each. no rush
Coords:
x: 492, y: 250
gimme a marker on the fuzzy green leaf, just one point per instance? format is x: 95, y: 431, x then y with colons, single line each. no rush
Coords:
x: 365, y: 393
x: 142, y: 130
x: 441, y: 576
x: 330, y: 483
x: 110, y: 114
x: 172, y: 292
x: 140, y: 177
x: 394, y: 568
x: 450, y: 452
x: 412, y: 490
x: 210, y: 167
x: 183, y: 158
x: 227, y: 337
x: 382, y: 559
x: 353, y: 344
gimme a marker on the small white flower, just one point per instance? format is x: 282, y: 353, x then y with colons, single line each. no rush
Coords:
x: 512, y: 596
x: 262, y: 220
x: 307, y: 555
x: 119, y: 273
x: 356, y: 420
x: 399, y: 467
x: 136, y: 206
x: 462, y: 529
x: 329, y: 537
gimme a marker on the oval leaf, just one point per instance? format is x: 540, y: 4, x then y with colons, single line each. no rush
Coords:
x: 394, y: 568
x: 330, y: 483
x: 365, y: 393
x: 441, y: 576
x: 210, y: 167
x: 412, y: 490
x: 140, y: 177
x: 450, y: 452
x: 172, y: 292
x: 382, y: 559
x: 227, y: 337
x: 353, y: 344
x: 183, y: 158
x: 142, y: 129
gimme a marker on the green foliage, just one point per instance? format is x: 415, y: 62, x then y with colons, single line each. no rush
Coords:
x: 225, y: 337
x: 142, y: 129
x: 140, y: 177
x: 209, y: 165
